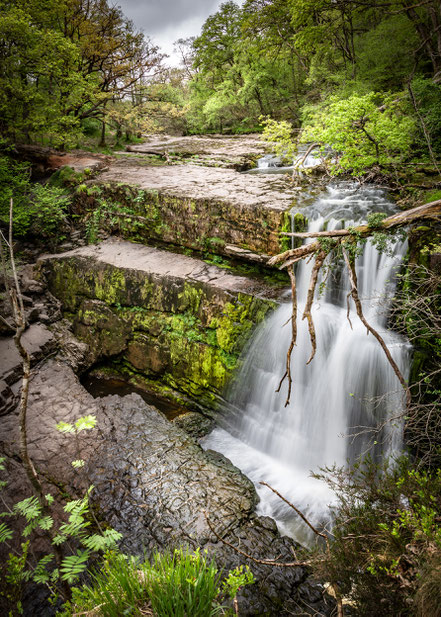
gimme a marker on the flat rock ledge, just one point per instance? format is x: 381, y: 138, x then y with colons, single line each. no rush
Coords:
x: 203, y: 208
x: 156, y: 485
x: 167, y: 317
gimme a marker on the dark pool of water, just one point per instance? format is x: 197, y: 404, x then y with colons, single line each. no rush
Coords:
x: 99, y: 387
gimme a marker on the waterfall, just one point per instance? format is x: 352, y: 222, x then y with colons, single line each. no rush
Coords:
x: 268, y: 161
x: 347, y: 390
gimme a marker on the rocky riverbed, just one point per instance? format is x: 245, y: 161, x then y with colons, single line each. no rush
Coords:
x: 167, y: 321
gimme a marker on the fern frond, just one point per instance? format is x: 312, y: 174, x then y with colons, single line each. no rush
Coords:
x: 74, y: 565
x: 30, y: 508
x: 5, y: 533
x: 85, y: 423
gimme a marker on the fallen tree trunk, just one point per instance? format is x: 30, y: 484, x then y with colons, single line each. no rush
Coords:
x: 430, y: 211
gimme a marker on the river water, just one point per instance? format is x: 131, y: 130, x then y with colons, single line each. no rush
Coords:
x: 347, y: 390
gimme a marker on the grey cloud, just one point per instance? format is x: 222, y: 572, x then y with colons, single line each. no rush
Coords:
x: 156, y: 16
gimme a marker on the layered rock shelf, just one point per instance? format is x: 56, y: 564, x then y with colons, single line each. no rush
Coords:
x: 163, y: 316
x: 202, y: 208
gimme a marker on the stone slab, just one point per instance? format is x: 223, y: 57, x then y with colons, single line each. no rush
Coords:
x: 37, y: 339
x: 271, y: 192
x: 150, y: 260
x: 154, y: 483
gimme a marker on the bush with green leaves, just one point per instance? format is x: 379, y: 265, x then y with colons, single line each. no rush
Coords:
x: 386, y: 538
x: 38, y: 210
x: 177, y: 584
x: 362, y: 130
x: 75, y: 538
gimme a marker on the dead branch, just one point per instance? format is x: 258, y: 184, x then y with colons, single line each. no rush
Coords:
x: 19, y: 325
x: 300, y: 161
x: 321, y: 256
x: 302, y: 516
x: 430, y: 211
x: 288, y: 374
x: 335, y: 587
x: 354, y: 293
x: 163, y: 154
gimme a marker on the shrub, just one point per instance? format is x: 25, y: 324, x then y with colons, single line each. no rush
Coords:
x: 387, y: 533
x: 177, y: 584
x: 39, y: 210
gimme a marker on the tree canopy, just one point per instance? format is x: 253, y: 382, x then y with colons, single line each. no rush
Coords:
x: 64, y: 61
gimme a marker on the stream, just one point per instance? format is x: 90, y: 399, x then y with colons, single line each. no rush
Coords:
x: 338, y: 400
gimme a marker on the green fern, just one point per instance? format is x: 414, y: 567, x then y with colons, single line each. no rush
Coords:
x: 41, y: 574
x: 30, y: 508
x: 5, y: 533
x: 74, y: 565
x: 85, y: 423
x: 102, y: 542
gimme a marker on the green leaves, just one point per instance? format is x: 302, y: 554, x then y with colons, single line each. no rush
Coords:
x: 5, y: 533
x: 84, y: 423
x: 74, y: 565
x: 102, y: 542
x: 362, y: 130
x: 30, y: 508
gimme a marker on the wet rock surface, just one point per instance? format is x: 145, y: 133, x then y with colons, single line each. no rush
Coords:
x: 168, y: 317
x: 156, y: 485
x: 198, y: 204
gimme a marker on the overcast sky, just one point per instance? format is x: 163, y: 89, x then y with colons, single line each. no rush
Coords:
x: 165, y: 21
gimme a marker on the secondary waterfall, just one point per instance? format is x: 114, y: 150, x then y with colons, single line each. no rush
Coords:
x: 347, y: 390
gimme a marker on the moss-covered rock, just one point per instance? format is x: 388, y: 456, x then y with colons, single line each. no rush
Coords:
x: 198, y: 223
x: 185, y: 332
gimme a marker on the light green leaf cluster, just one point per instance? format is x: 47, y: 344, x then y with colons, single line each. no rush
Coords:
x: 362, y: 130
x: 280, y: 135
x: 85, y: 423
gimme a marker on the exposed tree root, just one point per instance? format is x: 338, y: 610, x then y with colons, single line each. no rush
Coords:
x: 430, y: 211
x: 288, y: 373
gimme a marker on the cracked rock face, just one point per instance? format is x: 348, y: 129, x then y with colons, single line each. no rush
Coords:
x: 155, y: 484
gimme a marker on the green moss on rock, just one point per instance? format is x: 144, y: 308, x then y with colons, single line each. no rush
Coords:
x: 185, y: 334
x: 200, y: 224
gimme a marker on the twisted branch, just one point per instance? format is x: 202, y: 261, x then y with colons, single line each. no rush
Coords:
x: 354, y: 293
x: 288, y: 374
x: 321, y: 256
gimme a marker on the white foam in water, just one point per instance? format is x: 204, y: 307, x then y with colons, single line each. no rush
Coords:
x: 348, y: 387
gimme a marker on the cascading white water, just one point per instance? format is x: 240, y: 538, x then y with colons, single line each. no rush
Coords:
x: 268, y: 161
x: 348, y: 389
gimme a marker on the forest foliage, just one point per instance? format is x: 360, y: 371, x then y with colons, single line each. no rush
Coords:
x: 69, y: 68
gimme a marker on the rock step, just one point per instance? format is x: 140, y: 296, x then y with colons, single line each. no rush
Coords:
x: 167, y: 317
x: 203, y: 208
